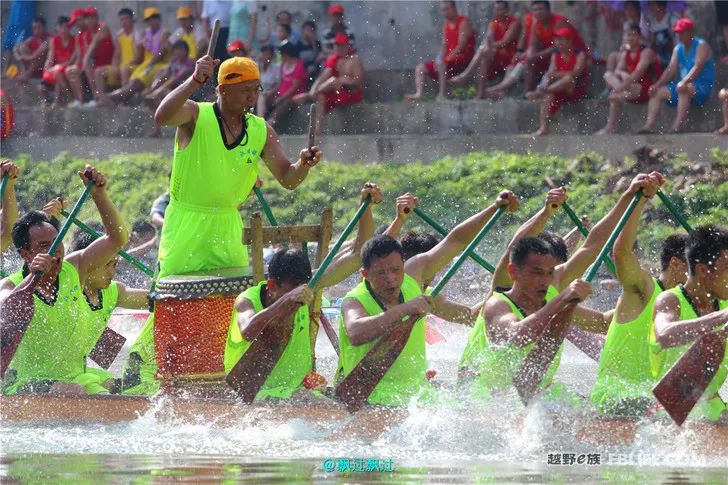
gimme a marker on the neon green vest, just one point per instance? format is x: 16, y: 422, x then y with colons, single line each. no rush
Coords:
x: 202, y: 227
x: 663, y: 359
x: 406, y: 378
x: 624, y: 366
x: 52, y: 348
x: 296, y: 361
x: 98, y: 318
x: 495, y: 365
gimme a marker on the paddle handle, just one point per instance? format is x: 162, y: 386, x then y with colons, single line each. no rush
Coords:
x: 607, y: 248
x: 213, y: 38
x: 469, y: 249
x: 675, y: 211
x: 134, y: 261
x: 71, y: 216
x: 3, y: 184
x: 437, y: 227
x: 344, y: 235
x: 265, y: 206
x: 312, y: 126
x: 585, y: 232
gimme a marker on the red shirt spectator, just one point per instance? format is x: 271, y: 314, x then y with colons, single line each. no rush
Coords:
x: 455, y: 59
x: 503, y: 56
x: 290, y: 74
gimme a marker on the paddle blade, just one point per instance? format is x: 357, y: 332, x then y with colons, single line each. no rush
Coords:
x: 682, y: 387
x: 107, y: 348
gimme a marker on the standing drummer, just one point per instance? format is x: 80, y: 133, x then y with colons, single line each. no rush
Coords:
x: 217, y: 147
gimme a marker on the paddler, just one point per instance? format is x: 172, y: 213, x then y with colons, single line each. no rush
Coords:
x: 217, y: 148
x: 286, y: 297
x: 624, y: 379
x: 9, y: 214
x: 51, y: 355
x: 392, y: 292
x: 686, y: 312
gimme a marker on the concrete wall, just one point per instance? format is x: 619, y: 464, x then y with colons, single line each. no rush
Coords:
x: 394, y: 34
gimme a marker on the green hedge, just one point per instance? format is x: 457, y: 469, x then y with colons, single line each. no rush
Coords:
x: 449, y: 189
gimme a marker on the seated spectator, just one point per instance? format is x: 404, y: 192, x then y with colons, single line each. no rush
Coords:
x: 284, y: 34
x: 636, y: 70
x: 497, y: 50
x: 692, y: 60
x: 564, y: 82
x: 127, y: 55
x: 338, y: 26
x: 293, y: 82
x: 661, y: 23
x: 81, y: 41
x: 723, y: 96
x: 180, y: 67
x: 284, y: 17
x: 536, y: 60
x: 244, y: 22
x: 98, y: 53
x: 156, y: 55
x: 310, y: 52
x: 270, y: 77
x: 633, y: 15
x: 31, y: 53
x: 237, y: 48
x: 186, y: 31
x: 341, y: 83
x: 60, y: 56
x: 458, y: 48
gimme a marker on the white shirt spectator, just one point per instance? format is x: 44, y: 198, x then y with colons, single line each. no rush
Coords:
x: 217, y: 9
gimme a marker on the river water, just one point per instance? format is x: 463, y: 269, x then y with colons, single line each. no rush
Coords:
x: 497, y: 443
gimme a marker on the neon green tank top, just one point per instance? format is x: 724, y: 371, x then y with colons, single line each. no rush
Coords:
x: 625, y: 370
x: 98, y: 317
x: 406, y: 378
x: 52, y: 347
x: 296, y: 361
x: 663, y: 359
x: 202, y: 227
x: 495, y: 365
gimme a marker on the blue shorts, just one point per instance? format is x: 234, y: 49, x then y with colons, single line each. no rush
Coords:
x: 702, y: 93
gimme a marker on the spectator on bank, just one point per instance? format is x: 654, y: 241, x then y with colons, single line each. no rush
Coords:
x: 637, y: 68
x: 237, y: 48
x: 692, y: 61
x: 156, y: 55
x: 180, y: 67
x: 633, y: 15
x: 211, y: 10
x: 661, y: 24
x: 721, y: 13
x: 31, y: 53
x: 143, y: 242
x: 338, y: 26
x: 270, y: 77
x: 723, y: 96
x: 496, y: 51
x: 186, y: 31
x: 81, y: 41
x: 60, y: 56
x: 340, y: 84
x: 310, y: 51
x: 98, y: 53
x: 284, y: 17
x: 536, y: 60
x: 564, y: 82
x: 128, y: 54
x: 284, y: 33
x: 244, y: 22
x: 159, y: 208
x: 456, y: 52
x: 293, y: 82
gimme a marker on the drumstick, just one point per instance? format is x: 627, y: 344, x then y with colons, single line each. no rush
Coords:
x: 213, y: 38
x: 312, y: 126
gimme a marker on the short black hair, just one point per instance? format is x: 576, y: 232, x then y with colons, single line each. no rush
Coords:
x: 704, y: 245
x: 81, y: 239
x: 414, y: 243
x: 40, y: 20
x: 633, y: 3
x: 527, y: 246
x: 267, y: 48
x: 21, y: 229
x: 379, y: 247
x: 62, y: 20
x: 672, y: 247
x: 288, y: 48
x: 633, y: 27
x: 126, y: 11
x: 141, y: 227
x: 180, y: 44
x: 558, y: 245
x: 542, y: 2
x: 289, y: 266
x: 284, y: 12
x: 308, y: 23
x: 286, y: 27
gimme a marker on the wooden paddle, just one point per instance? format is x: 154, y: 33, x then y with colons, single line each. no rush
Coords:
x: 685, y: 383
x: 19, y: 307
x: 254, y: 367
x: 354, y: 390
x: 529, y: 375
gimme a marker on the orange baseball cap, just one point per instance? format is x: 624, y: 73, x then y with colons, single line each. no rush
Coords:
x: 184, y: 13
x: 683, y: 25
x: 150, y: 12
x: 237, y: 70
x: 336, y: 9
x: 91, y: 11
x: 236, y: 45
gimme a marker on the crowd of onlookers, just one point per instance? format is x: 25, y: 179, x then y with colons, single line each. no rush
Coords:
x: 660, y: 60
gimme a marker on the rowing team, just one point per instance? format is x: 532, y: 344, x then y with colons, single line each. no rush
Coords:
x: 536, y: 293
